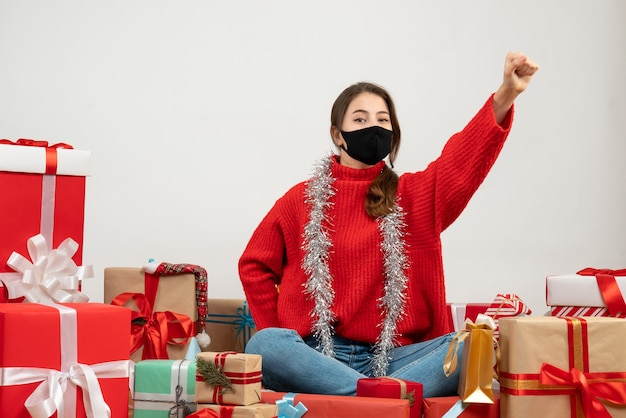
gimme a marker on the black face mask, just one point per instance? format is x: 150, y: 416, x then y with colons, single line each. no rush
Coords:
x: 369, y: 145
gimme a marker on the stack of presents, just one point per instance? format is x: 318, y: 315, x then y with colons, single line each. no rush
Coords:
x: 145, y: 350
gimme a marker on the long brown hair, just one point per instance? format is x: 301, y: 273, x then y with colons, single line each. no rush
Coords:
x: 382, y: 191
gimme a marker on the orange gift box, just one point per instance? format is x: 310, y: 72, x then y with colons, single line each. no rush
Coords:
x: 437, y: 407
x: 42, y: 191
x: 41, y: 344
x: 562, y: 367
x: 388, y: 387
x: 323, y: 406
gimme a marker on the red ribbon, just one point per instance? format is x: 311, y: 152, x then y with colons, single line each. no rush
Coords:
x: 204, y: 413
x: 591, y: 386
x: 157, y: 329
x: 51, y: 150
x: 608, y: 287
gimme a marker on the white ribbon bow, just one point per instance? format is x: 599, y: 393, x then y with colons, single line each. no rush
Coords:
x: 48, y: 397
x: 48, y: 277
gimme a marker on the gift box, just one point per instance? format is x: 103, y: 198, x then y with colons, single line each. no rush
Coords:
x: 562, y: 367
x: 593, y: 288
x: 229, y: 324
x: 323, y: 406
x: 438, y: 407
x: 42, y: 191
x: 166, y: 302
x: 164, y: 388
x: 228, y: 378
x: 257, y: 410
x: 502, y: 306
x: 459, y: 312
x: 41, y: 346
x: 389, y: 387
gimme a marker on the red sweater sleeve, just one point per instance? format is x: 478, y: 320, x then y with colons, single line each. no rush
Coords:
x: 261, y: 266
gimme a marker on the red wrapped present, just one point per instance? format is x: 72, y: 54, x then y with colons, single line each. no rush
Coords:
x: 42, y: 191
x: 502, y: 306
x: 323, y: 406
x: 64, y: 358
x: 459, y: 312
x: 452, y: 406
x: 562, y: 367
x: 590, y: 287
x: 389, y: 387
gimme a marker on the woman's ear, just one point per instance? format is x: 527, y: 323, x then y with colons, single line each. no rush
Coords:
x: 335, y: 134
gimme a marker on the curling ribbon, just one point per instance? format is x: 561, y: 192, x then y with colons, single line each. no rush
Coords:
x: 50, y: 277
x: 608, y: 287
x: 591, y: 386
x: 287, y: 409
x: 56, y: 391
x: 51, y: 150
x: 154, y: 330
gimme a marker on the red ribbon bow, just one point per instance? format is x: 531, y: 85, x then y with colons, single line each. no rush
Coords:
x: 608, y: 287
x: 154, y: 330
x: 591, y: 386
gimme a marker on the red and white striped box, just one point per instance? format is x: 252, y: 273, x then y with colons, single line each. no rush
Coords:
x: 562, y: 311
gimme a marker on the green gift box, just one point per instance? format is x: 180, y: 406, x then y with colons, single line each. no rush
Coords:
x: 164, y: 388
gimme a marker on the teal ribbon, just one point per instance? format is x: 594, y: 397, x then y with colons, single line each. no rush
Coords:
x: 286, y: 408
x: 242, y: 322
x: 456, y: 410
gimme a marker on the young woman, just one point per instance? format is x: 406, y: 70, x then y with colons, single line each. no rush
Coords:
x: 344, y: 275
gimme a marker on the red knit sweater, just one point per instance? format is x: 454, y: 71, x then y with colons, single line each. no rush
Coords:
x: 431, y: 199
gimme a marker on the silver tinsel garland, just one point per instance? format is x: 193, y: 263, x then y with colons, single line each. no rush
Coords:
x: 317, y: 246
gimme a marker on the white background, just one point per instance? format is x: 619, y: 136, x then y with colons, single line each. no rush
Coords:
x: 200, y: 114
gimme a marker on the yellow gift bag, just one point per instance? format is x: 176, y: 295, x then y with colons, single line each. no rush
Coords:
x: 477, y: 360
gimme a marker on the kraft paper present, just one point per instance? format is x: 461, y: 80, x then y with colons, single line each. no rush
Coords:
x: 164, y: 388
x: 81, y: 339
x: 42, y: 191
x: 175, y: 293
x: 323, y: 406
x: 389, y: 387
x: 228, y: 378
x: 229, y: 324
x: 257, y: 410
x: 599, y: 288
x: 558, y: 367
x: 437, y: 407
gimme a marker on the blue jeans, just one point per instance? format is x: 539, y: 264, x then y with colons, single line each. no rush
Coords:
x: 291, y: 364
